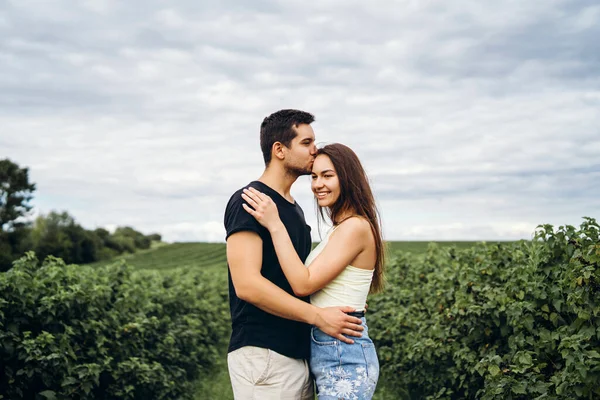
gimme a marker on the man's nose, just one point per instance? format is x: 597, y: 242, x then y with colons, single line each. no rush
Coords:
x: 313, y: 150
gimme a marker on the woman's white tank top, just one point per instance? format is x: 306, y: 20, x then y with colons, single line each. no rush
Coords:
x: 349, y: 288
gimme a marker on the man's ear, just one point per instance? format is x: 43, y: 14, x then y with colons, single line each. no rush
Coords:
x: 278, y: 150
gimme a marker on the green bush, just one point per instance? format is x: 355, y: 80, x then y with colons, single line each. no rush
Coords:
x: 502, y: 321
x: 138, y: 239
x: 121, y: 243
x: 154, y: 237
x: 69, y: 331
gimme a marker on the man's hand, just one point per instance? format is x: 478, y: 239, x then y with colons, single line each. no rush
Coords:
x: 336, y: 323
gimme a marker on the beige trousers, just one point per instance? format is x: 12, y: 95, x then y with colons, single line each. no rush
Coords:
x: 258, y: 374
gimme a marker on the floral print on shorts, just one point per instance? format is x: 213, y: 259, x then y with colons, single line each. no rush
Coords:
x: 344, y: 371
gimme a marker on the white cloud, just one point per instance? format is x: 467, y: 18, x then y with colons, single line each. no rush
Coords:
x: 474, y: 120
x: 212, y: 231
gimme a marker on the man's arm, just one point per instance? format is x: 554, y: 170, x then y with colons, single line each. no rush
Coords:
x: 244, y: 255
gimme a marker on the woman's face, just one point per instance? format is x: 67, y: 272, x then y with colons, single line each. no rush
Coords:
x: 325, y: 183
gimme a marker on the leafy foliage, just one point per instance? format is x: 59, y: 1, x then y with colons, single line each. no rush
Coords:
x: 495, y: 321
x: 501, y: 321
x: 69, y: 331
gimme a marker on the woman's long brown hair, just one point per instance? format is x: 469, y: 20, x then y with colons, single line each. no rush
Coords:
x: 356, y: 198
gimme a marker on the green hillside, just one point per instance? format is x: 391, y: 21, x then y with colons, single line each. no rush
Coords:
x: 203, y: 255
x: 420, y: 247
x: 176, y: 255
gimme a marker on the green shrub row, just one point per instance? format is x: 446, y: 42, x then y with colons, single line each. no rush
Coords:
x: 75, y: 332
x: 502, y: 321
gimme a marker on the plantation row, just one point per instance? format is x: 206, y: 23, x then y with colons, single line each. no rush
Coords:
x: 493, y: 321
x: 177, y: 256
x: 79, y: 332
x: 502, y: 321
x: 203, y: 255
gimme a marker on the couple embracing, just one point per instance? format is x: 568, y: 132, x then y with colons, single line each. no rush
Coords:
x: 298, y: 315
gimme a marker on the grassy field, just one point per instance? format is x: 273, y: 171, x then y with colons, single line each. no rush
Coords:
x: 176, y: 255
x: 212, y: 256
x: 204, y: 255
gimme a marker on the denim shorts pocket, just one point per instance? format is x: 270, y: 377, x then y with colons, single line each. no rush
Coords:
x: 372, y: 361
x: 320, y: 338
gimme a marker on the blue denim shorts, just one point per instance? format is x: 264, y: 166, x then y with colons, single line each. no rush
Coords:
x: 341, y: 370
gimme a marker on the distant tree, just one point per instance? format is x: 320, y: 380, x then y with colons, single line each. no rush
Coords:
x: 59, y: 235
x: 6, y: 253
x: 50, y: 236
x: 102, y: 233
x: 140, y: 241
x: 13, y: 244
x: 155, y: 237
x: 15, y: 193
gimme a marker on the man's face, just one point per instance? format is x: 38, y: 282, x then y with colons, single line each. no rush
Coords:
x: 301, y: 154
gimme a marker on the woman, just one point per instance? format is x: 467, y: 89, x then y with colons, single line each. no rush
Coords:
x: 342, y: 269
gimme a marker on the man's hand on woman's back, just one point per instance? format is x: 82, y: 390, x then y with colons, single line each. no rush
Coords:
x: 336, y: 323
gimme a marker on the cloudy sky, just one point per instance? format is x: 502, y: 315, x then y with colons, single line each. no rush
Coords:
x: 474, y: 120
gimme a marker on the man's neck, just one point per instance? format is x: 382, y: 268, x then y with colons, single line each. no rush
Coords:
x: 279, y: 181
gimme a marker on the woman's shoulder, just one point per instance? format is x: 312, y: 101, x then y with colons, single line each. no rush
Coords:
x: 355, y: 226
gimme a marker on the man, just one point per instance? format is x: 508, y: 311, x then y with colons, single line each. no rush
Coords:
x: 270, y: 340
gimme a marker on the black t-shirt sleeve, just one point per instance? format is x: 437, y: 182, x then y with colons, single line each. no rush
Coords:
x: 237, y: 219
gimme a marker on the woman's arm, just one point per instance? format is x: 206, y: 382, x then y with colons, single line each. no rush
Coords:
x: 342, y: 248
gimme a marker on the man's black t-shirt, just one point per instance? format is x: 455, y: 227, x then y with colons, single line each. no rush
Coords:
x: 252, y: 326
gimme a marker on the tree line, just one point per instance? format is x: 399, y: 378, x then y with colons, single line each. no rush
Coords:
x: 56, y: 233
